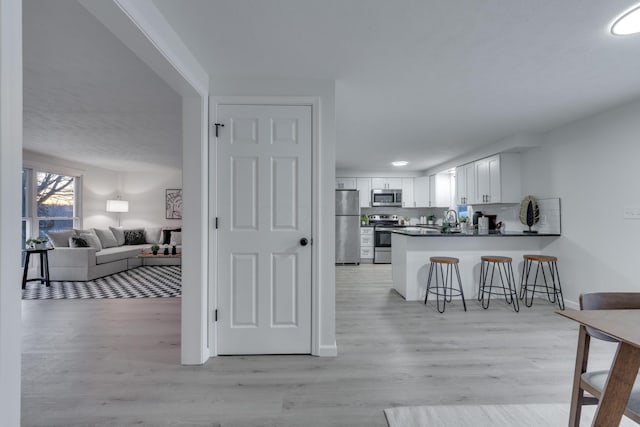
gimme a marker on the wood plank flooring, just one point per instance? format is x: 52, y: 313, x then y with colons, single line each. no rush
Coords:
x: 116, y: 362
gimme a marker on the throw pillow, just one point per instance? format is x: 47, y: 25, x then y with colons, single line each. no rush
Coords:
x: 134, y: 237
x: 78, y: 242
x: 118, y: 233
x: 92, y: 240
x: 166, y: 235
x: 107, y: 239
x: 60, y: 239
x: 176, y: 238
x: 152, y: 235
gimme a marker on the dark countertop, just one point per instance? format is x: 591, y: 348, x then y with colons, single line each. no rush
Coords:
x: 431, y: 233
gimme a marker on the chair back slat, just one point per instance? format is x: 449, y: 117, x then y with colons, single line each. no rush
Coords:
x: 608, y: 301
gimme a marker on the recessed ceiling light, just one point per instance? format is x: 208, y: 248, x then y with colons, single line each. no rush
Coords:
x: 400, y: 163
x: 627, y: 23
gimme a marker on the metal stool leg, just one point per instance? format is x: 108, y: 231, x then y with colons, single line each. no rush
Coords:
x: 428, y: 283
x: 464, y: 304
x: 512, y: 289
x: 559, y: 289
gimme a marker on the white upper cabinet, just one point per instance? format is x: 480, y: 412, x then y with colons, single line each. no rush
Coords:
x: 421, y: 192
x: 498, y: 179
x: 408, y: 198
x: 386, y: 183
x: 441, y: 190
x: 363, y: 185
x: 465, y: 184
x: 345, y: 183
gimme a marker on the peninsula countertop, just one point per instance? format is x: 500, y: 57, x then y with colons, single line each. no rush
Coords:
x: 427, y: 232
x: 411, y: 249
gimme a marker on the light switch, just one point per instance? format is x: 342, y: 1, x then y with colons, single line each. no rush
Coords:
x: 631, y: 213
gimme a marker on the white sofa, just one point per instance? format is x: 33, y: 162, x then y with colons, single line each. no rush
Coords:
x: 88, y: 263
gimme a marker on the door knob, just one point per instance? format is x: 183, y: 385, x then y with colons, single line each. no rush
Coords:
x: 304, y: 241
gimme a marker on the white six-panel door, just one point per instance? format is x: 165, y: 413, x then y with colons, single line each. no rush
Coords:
x: 264, y: 199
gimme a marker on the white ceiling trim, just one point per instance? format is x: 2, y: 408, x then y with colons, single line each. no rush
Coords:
x: 144, y: 30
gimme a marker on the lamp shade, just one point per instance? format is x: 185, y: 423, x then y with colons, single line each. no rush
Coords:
x: 117, y: 206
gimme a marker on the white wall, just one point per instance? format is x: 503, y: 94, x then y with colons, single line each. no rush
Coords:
x: 324, y: 158
x: 592, y: 165
x: 145, y: 192
x: 10, y: 164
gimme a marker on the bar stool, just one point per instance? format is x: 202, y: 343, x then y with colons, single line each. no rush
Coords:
x: 553, y: 290
x: 507, y: 281
x: 445, y: 282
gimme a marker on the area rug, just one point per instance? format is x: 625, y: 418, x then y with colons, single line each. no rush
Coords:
x: 533, y: 415
x: 142, y: 282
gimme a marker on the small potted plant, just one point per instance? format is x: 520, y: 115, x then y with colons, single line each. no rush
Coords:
x: 464, y: 221
x: 364, y: 220
x: 37, y: 243
x: 155, y: 249
x: 407, y: 220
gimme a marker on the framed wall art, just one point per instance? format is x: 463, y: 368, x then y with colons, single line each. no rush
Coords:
x: 173, y: 203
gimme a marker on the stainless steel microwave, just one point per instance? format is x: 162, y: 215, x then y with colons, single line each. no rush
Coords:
x: 386, y: 198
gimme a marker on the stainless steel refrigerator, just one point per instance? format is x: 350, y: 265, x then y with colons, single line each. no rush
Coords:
x: 347, y: 227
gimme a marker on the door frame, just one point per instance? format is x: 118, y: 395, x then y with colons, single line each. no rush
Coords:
x: 314, y: 103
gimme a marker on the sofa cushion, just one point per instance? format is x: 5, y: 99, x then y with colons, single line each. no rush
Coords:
x: 118, y: 253
x: 60, y: 239
x: 92, y: 240
x: 134, y: 237
x: 78, y: 242
x: 118, y: 233
x: 107, y: 239
x: 176, y: 238
x: 166, y: 235
x: 153, y: 235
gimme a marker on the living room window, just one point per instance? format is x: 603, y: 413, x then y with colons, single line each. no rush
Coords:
x: 50, y: 202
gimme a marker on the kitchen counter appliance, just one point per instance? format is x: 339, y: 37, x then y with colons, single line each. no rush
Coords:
x: 382, y: 227
x: 386, y: 198
x: 347, y: 227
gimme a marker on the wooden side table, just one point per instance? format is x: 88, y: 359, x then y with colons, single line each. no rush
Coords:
x: 44, y: 266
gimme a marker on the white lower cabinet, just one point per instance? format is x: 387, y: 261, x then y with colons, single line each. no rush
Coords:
x: 366, y: 253
x: 366, y: 243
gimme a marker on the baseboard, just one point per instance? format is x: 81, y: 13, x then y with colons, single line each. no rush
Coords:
x: 327, y: 350
x: 571, y: 304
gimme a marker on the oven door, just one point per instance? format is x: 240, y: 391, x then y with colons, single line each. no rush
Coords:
x: 382, y: 238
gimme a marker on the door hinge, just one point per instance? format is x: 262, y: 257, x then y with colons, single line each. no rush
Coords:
x: 215, y: 315
x: 218, y: 125
x: 216, y: 223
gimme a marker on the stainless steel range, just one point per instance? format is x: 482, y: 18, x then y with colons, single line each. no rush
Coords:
x: 382, y: 227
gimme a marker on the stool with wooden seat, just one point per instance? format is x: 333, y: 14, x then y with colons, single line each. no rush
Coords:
x: 507, y: 286
x: 551, y: 287
x: 443, y: 288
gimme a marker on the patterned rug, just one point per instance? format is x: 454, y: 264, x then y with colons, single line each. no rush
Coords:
x: 142, y: 282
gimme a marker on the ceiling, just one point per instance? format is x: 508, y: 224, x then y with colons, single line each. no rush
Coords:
x: 419, y: 80
x: 424, y: 80
x: 88, y: 98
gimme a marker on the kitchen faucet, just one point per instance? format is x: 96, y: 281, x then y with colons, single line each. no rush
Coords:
x: 451, y: 217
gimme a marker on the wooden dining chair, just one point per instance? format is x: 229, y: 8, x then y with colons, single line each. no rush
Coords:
x: 594, y: 382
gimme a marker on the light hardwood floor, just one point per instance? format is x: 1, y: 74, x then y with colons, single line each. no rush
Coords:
x: 116, y: 362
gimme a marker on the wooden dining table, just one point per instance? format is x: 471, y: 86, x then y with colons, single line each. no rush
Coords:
x: 624, y: 326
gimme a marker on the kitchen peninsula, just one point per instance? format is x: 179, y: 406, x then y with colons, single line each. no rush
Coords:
x: 413, y: 247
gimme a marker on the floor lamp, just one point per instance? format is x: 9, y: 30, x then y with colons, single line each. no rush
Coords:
x: 118, y: 206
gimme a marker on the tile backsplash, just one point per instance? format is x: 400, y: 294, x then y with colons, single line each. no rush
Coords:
x: 550, y: 215
x: 509, y: 214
